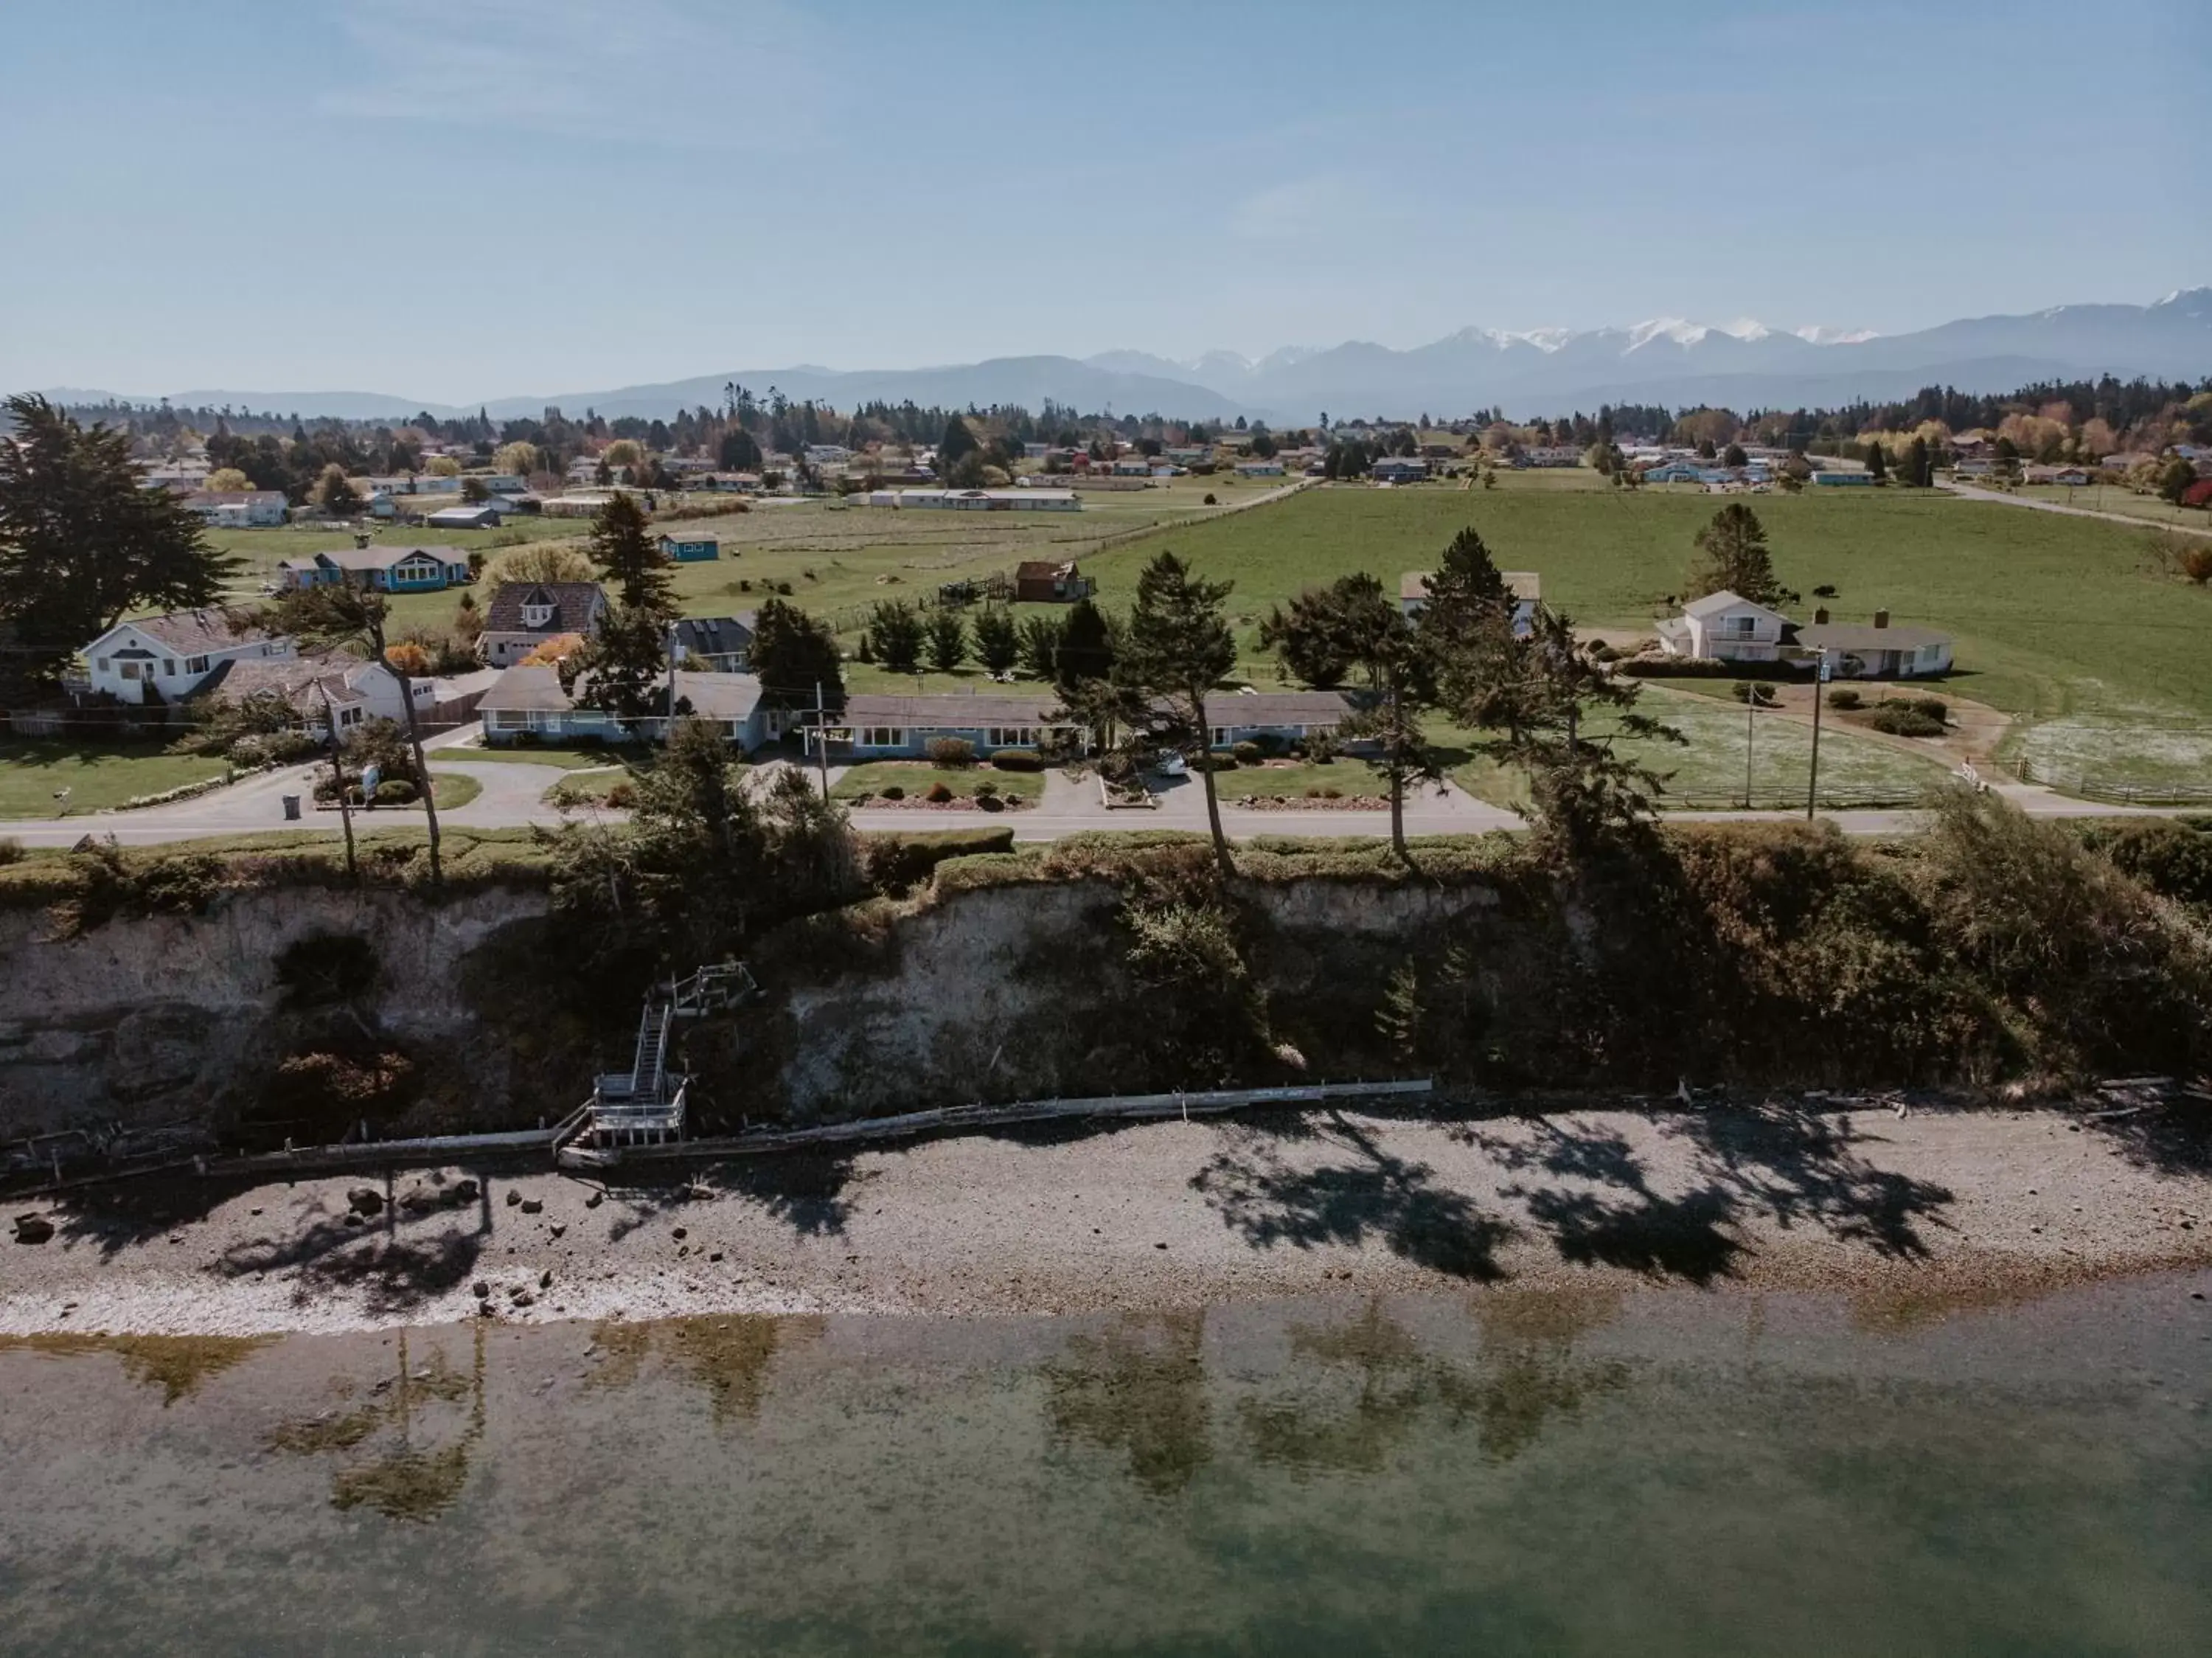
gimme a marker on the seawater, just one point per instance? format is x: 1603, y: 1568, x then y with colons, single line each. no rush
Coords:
x: 1503, y: 1471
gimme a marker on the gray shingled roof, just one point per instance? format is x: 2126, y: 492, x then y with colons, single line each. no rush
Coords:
x: 1860, y: 635
x: 574, y: 605
x: 194, y: 630
x: 538, y: 690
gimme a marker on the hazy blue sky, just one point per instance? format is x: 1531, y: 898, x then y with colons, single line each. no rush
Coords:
x: 455, y: 200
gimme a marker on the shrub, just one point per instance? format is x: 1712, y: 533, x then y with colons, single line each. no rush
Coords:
x: 1017, y: 759
x: 395, y: 791
x: 1248, y: 753
x: 2168, y: 855
x: 325, y: 967
x: 623, y: 796
x: 1751, y: 690
x: 892, y: 791
x: 1903, y: 720
x: 1934, y: 707
x: 1210, y: 501
x: 985, y: 789
x: 2196, y: 563
x: 1330, y: 792
x: 1321, y: 746
x: 11, y: 849
x: 1844, y: 696
x: 951, y: 753
x: 989, y: 803
x: 938, y: 795
x: 891, y: 863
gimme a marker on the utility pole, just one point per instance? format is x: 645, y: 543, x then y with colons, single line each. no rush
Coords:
x: 1750, y: 718
x: 822, y: 738
x: 1819, y: 695
x: 338, y: 772
x: 671, y: 683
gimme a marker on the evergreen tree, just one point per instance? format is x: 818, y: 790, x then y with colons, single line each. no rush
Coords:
x: 792, y: 653
x: 1733, y: 455
x: 946, y: 639
x: 1086, y: 645
x: 83, y: 545
x: 1877, y: 463
x: 1734, y: 559
x: 956, y: 442
x: 623, y: 666
x: 1919, y: 465
x: 623, y: 547
x: 1040, y: 646
x: 998, y: 641
x: 1177, y: 649
x: 1352, y: 625
x: 895, y: 634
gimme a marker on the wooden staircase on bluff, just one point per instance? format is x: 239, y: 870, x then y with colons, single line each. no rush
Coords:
x: 645, y: 1105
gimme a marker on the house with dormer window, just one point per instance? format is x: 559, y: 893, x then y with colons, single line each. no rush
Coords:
x: 520, y: 616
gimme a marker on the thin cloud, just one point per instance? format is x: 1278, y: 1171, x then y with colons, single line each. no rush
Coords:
x: 682, y: 73
x: 1300, y: 210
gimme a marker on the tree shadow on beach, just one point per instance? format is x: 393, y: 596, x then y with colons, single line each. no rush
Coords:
x: 1367, y: 1192
x: 808, y: 1191
x: 406, y: 1254
x: 1782, y: 1166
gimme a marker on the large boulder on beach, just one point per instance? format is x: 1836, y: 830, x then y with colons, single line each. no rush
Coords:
x: 365, y: 1200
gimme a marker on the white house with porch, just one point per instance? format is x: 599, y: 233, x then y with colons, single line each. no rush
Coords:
x: 164, y: 659
x: 1724, y: 627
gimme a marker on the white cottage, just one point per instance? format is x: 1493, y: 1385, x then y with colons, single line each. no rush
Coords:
x: 163, y: 659
x: 1724, y: 627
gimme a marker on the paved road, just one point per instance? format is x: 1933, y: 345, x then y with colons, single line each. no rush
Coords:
x: 1968, y: 492
x: 514, y: 796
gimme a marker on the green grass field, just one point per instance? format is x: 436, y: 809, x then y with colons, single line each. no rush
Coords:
x: 2075, y: 623
x: 31, y: 771
x: 916, y: 777
x: 2114, y: 498
x: 1347, y: 776
x: 570, y: 759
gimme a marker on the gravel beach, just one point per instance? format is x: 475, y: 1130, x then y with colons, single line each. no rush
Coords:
x: 1933, y: 1207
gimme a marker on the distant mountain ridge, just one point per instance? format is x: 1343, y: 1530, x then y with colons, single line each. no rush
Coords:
x: 1547, y: 372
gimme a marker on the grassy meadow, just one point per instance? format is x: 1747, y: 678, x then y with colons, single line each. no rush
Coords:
x: 2078, y: 625
x: 33, y: 771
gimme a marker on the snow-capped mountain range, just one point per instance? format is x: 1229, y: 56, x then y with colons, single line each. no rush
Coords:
x: 1543, y: 371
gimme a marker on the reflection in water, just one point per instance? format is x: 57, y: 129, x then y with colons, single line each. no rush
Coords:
x: 1506, y: 1471
x: 414, y: 1476
x: 1372, y: 1384
x: 176, y: 1364
x: 729, y: 1355
x: 1138, y: 1388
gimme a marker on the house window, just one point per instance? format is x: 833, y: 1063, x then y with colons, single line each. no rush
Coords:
x: 509, y: 719
x: 168, y: 667
x: 882, y: 736
x: 130, y: 670
x: 1013, y: 736
x: 1743, y: 627
x: 537, y: 615
x: 196, y: 664
x: 106, y: 664
x: 1221, y: 736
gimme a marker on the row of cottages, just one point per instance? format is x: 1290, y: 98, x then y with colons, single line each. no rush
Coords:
x: 530, y: 702
x: 1015, y: 500
x: 1727, y: 628
x: 394, y: 568
x: 1526, y: 587
x: 889, y: 726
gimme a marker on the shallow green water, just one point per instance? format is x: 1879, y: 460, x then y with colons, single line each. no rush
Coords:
x: 1500, y: 1473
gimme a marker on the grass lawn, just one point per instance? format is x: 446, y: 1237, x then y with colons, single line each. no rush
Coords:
x: 96, y: 777
x: 1296, y: 779
x: 2073, y: 622
x: 1706, y: 770
x: 2116, y: 498
x: 916, y: 777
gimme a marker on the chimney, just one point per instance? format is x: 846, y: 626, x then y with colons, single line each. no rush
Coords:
x: 1820, y: 617
x: 360, y: 541
x: 1882, y: 619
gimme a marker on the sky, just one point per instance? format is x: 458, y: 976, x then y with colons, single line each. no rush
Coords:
x: 455, y: 200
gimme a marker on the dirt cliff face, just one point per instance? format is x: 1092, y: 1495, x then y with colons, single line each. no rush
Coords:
x: 163, y: 1018
x: 1029, y: 991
